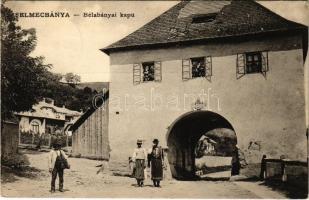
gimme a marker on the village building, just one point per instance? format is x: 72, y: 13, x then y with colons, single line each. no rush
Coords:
x: 205, y: 146
x: 206, y: 65
x: 90, y: 131
x: 46, y: 118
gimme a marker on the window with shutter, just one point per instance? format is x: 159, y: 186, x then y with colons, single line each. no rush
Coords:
x: 148, y: 71
x: 136, y: 74
x: 157, y: 71
x: 251, y: 63
x: 198, y: 67
x: 186, y: 69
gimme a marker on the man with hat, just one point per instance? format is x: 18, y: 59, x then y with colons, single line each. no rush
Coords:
x: 54, y: 163
x: 139, y: 157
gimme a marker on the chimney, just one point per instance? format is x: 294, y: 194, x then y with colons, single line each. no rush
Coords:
x: 63, y: 106
x: 52, y: 102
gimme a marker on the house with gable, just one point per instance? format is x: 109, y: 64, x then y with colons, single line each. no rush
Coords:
x: 46, y: 118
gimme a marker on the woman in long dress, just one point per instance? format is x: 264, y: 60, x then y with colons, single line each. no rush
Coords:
x: 156, y: 160
x: 139, y: 157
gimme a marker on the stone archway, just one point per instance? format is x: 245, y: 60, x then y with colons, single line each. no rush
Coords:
x: 183, y: 135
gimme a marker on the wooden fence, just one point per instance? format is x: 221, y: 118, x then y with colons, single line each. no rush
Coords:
x: 9, y: 139
x: 44, y: 140
x: 284, y: 169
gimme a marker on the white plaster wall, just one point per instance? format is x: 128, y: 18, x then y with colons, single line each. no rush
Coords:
x: 270, y: 110
x: 24, y: 124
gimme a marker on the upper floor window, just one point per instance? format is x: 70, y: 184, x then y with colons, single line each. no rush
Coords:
x: 252, y: 62
x: 197, y: 67
x: 146, y: 72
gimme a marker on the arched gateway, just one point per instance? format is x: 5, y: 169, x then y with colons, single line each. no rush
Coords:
x: 183, y: 135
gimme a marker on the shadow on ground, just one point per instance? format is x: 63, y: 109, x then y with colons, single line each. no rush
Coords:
x: 214, y: 179
x: 9, y: 174
x: 292, y: 189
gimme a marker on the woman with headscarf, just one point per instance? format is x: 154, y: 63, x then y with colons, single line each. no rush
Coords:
x: 156, y: 160
x: 139, y: 157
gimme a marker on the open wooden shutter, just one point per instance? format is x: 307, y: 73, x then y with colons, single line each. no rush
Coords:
x: 157, y: 71
x: 240, y: 66
x: 208, y: 68
x: 264, y: 63
x: 136, y: 74
x: 186, y: 69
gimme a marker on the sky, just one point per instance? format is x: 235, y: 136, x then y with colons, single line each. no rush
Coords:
x: 72, y: 44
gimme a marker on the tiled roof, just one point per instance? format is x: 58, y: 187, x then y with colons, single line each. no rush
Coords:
x: 37, y: 111
x: 63, y: 110
x: 232, y: 18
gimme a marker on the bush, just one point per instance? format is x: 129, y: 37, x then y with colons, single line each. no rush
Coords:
x: 62, y: 139
x: 15, y: 161
x: 26, y: 137
x: 41, y: 140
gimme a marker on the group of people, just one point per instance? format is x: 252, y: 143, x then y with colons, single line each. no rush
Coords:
x: 57, y: 162
x: 155, y: 161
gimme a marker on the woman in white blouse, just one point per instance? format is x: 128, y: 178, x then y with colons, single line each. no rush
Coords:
x: 139, y: 157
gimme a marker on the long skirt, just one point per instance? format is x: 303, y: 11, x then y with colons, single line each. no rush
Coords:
x: 156, y: 169
x: 139, y: 169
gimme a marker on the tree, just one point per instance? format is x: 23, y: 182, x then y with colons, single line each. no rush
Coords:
x: 71, y: 78
x: 22, y: 76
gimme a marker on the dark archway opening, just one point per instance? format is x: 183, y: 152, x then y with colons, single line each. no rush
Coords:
x: 183, y: 136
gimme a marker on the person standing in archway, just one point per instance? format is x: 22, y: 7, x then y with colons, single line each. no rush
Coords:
x: 235, y: 162
x: 139, y: 158
x: 156, y: 160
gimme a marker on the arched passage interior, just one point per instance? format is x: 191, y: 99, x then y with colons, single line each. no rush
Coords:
x: 183, y: 135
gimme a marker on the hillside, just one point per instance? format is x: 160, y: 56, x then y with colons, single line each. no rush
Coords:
x: 98, y: 86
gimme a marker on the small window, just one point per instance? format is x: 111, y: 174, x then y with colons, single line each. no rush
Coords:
x: 148, y: 71
x: 198, y: 67
x: 253, y: 62
x: 35, y: 127
x: 204, y: 18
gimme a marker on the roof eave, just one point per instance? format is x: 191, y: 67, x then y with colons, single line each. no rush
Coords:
x: 105, y: 50
x: 109, y: 50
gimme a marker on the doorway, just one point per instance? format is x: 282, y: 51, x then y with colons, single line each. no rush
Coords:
x: 183, y: 136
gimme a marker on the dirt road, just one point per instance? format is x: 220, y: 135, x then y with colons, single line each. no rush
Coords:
x: 82, y: 181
